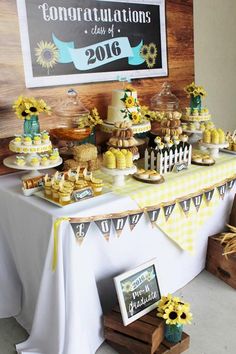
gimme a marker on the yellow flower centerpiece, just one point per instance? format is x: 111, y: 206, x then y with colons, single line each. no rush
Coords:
x: 196, y: 93
x: 28, y: 108
x: 176, y: 313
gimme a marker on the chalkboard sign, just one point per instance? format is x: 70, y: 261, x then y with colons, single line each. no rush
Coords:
x: 77, y: 41
x: 138, y: 291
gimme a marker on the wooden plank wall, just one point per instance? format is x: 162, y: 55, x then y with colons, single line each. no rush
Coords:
x: 179, y: 15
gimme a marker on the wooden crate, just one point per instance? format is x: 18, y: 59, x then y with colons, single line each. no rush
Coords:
x: 144, y: 336
x: 164, y: 348
x: 219, y: 265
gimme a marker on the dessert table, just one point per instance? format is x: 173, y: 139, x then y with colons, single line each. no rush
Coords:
x: 62, y: 309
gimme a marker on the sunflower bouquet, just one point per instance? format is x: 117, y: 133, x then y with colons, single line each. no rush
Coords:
x: 174, y: 311
x: 194, y: 90
x: 91, y: 120
x: 26, y: 107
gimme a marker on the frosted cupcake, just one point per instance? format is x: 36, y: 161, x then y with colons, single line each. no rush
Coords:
x: 37, y: 139
x: 44, y: 160
x: 20, y: 160
x: 17, y: 140
x: 34, y: 162
x: 45, y: 137
x: 27, y: 140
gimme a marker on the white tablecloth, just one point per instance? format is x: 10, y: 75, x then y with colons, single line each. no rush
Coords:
x: 62, y: 310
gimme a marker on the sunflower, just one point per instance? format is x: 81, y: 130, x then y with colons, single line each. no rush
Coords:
x: 152, y: 50
x: 32, y: 107
x: 129, y: 102
x: 42, y: 107
x: 47, y: 54
x: 144, y: 51
x: 135, y: 117
x: 19, y: 102
x: 165, y: 301
x: 127, y: 287
x: 171, y: 315
x: 150, y: 61
x: 21, y: 112
x: 185, y: 316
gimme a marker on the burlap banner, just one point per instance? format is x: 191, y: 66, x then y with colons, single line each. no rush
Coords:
x: 80, y: 225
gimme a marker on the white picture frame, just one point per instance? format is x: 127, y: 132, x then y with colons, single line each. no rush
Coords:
x: 36, y: 76
x: 144, y: 292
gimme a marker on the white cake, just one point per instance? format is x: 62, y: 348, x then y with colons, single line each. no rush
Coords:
x: 120, y: 110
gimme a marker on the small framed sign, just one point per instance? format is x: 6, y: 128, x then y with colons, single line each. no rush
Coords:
x: 77, y: 41
x: 138, y: 291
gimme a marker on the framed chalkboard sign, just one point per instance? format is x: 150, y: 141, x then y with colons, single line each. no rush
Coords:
x: 78, y: 41
x: 138, y: 291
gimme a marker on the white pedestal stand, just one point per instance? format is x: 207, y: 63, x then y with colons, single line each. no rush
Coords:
x: 214, y: 148
x: 10, y: 162
x: 119, y: 175
x: 137, y: 128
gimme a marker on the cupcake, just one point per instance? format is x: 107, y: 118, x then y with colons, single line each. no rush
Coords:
x: 34, y: 162
x: 53, y: 159
x: 17, y: 140
x: 195, y: 112
x: 37, y: 139
x: 44, y: 160
x: 45, y: 137
x: 20, y: 160
x: 27, y: 140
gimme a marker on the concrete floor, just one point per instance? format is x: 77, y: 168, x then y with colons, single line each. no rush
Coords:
x: 213, y: 330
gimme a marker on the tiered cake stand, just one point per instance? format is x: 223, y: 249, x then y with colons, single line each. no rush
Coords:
x: 30, y: 152
x: 195, y: 135
x: 119, y: 175
x: 137, y: 128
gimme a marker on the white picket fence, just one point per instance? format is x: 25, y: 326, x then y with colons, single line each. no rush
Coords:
x: 164, y: 161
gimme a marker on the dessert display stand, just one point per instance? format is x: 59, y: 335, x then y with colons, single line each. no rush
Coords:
x: 119, y: 175
x: 137, y: 128
x: 213, y: 148
x: 194, y: 135
x: 10, y: 162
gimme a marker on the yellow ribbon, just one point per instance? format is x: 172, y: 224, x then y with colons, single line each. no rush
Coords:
x: 56, y: 225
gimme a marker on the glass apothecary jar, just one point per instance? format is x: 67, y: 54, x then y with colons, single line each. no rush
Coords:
x: 165, y: 101
x: 71, y: 116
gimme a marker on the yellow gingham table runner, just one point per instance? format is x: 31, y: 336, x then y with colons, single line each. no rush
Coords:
x: 180, y: 228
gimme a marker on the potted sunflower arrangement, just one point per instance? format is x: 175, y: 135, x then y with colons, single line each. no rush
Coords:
x: 28, y: 109
x: 175, y: 313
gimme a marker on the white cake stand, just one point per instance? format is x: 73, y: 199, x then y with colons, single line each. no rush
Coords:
x: 137, y: 128
x: 214, y: 148
x: 10, y: 162
x: 119, y: 175
x: 194, y: 135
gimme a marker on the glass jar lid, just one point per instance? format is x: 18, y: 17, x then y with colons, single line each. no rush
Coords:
x: 71, y: 106
x: 165, y: 101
